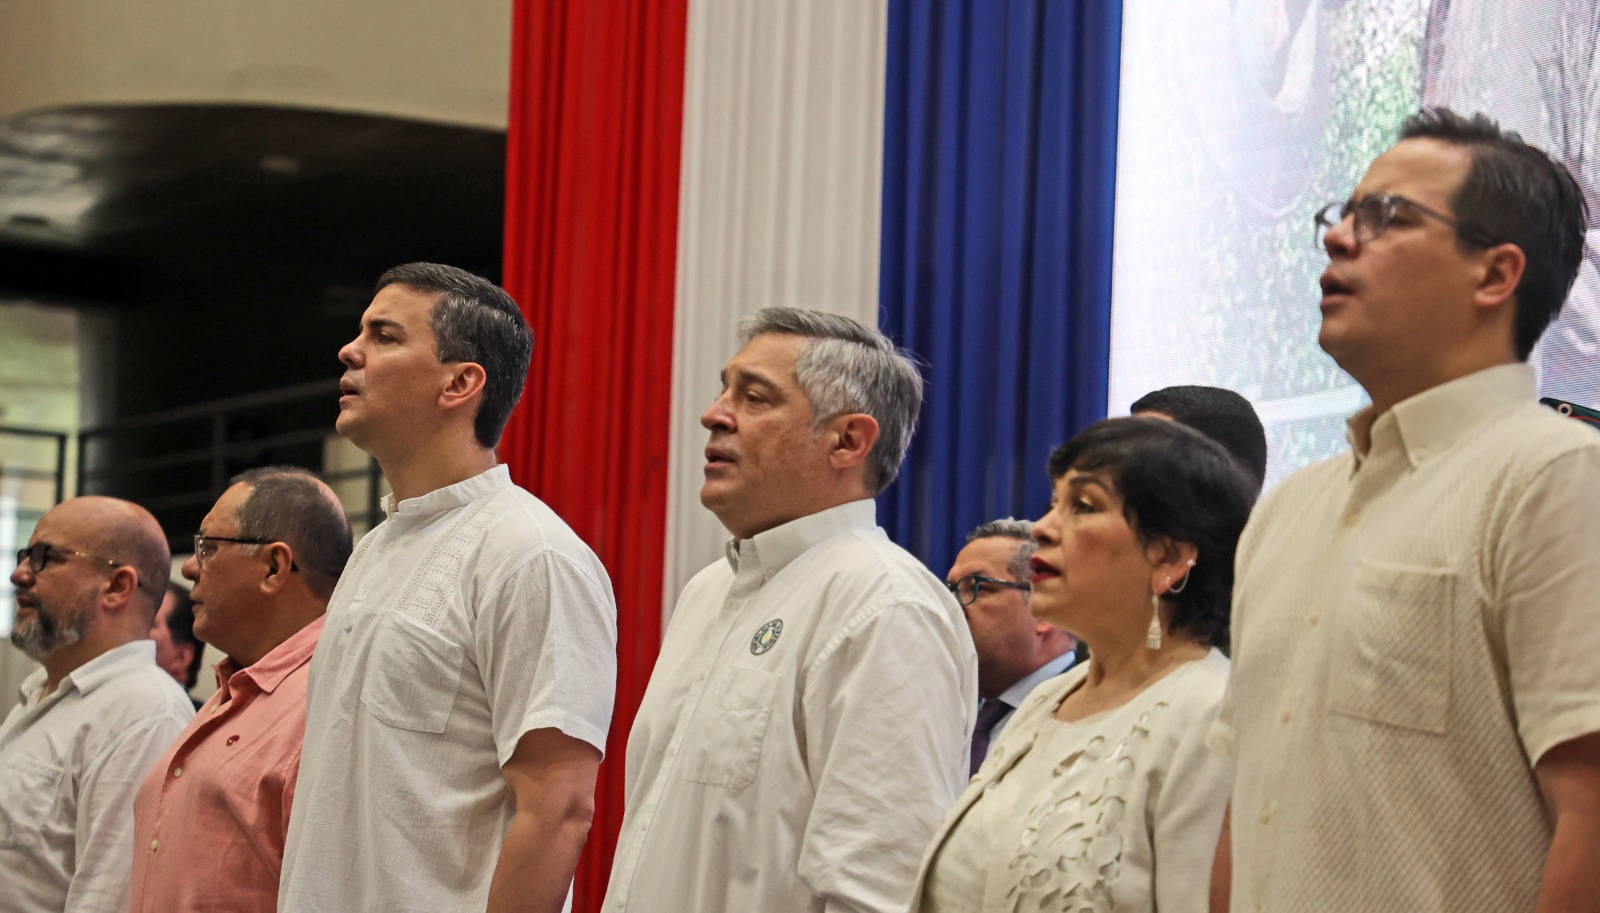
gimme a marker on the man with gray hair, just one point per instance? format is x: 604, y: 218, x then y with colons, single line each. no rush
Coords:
x: 990, y: 578
x: 265, y: 561
x: 806, y: 726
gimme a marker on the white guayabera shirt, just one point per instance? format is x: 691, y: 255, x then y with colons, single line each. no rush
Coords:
x: 804, y: 731
x: 1414, y: 627
x: 471, y: 616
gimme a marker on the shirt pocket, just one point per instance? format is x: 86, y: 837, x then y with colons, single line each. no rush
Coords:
x: 30, y: 797
x: 412, y: 676
x: 1391, y: 655
x: 724, y: 741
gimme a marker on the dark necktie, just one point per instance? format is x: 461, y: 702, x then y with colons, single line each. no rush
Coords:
x: 989, y: 713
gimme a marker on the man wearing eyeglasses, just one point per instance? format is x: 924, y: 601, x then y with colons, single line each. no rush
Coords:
x: 265, y: 561
x: 96, y: 716
x: 1015, y: 650
x: 461, y: 691
x: 1414, y: 709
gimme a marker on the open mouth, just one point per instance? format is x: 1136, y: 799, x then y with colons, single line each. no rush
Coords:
x: 1332, y: 285
x: 1042, y: 570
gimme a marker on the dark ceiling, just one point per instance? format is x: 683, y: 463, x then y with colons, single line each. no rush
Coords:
x: 233, y: 246
x: 236, y: 242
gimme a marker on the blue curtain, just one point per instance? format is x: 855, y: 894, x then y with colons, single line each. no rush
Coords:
x: 999, y: 172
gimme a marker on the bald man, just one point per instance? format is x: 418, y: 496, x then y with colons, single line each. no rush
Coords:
x: 95, y: 718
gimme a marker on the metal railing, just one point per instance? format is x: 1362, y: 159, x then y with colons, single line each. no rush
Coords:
x: 176, y: 462
x: 58, y: 474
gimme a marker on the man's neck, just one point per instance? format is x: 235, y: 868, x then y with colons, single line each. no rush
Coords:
x: 287, y: 622
x: 413, y: 473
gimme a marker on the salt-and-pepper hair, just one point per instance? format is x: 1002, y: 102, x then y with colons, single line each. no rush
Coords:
x: 1010, y: 528
x: 844, y: 367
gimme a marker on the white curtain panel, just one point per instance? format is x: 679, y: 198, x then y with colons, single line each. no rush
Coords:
x: 778, y: 204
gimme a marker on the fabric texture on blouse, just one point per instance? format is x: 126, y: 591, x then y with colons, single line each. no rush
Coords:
x: 1119, y: 811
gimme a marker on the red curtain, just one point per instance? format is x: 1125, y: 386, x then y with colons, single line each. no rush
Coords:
x: 590, y: 252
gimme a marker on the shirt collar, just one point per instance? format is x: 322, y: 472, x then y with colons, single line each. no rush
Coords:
x: 1014, y: 695
x: 449, y: 497
x: 769, y: 552
x: 97, y: 671
x: 1431, y: 422
x: 270, y: 670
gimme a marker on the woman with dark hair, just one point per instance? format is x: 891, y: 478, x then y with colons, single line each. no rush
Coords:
x: 1100, y: 795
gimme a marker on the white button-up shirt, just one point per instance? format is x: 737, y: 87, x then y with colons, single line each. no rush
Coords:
x: 471, y: 616
x: 1414, y: 627
x: 70, y: 763
x: 804, y: 731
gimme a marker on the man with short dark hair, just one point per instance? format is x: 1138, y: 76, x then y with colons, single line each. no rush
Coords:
x: 1219, y: 414
x: 806, y: 725
x: 265, y: 561
x: 1414, y: 710
x: 94, y: 718
x: 990, y: 578
x: 178, y: 652
x: 461, y: 691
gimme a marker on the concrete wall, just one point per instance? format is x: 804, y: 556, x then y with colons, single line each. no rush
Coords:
x: 434, y: 61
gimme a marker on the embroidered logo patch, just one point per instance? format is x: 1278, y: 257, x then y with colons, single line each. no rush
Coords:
x: 767, y: 637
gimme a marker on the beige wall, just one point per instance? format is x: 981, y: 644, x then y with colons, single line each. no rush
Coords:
x: 435, y: 61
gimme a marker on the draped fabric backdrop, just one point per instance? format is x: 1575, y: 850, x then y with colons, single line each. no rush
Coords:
x: 591, y: 225
x: 782, y: 152
x: 999, y: 166
x: 941, y: 168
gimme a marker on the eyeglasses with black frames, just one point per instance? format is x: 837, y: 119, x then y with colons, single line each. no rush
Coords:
x: 40, y: 554
x: 969, y: 588
x: 1374, y: 212
x: 205, y: 547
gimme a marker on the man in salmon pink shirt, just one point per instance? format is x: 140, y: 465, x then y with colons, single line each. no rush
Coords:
x: 211, y: 817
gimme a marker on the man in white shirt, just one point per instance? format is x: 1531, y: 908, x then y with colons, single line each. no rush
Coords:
x: 94, y: 719
x: 806, y: 725
x: 1015, y: 650
x: 461, y: 690
x: 1414, y: 710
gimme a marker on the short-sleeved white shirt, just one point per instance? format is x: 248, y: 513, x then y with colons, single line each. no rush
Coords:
x: 805, y: 728
x: 1413, y: 628
x: 471, y: 616
x: 70, y: 763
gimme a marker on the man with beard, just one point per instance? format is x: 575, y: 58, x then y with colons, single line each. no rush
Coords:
x: 95, y: 718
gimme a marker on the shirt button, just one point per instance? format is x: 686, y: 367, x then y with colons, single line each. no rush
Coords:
x: 1287, y: 715
x: 1266, y: 814
x: 1314, y: 619
x: 155, y: 845
x: 178, y: 772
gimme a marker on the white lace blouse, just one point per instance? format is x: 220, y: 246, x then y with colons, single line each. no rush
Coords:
x: 1116, y: 812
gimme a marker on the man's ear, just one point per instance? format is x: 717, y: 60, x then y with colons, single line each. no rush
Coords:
x: 120, y: 588
x: 280, y: 562
x: 1502, y: 268
x: 466, y: 382
x: 853, y: 434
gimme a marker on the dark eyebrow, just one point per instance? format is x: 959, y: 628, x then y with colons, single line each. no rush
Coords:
x: 381, y: 324
x: 1082, y: 480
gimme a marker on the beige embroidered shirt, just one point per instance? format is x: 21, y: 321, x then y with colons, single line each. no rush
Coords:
x: 1414, y: 627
